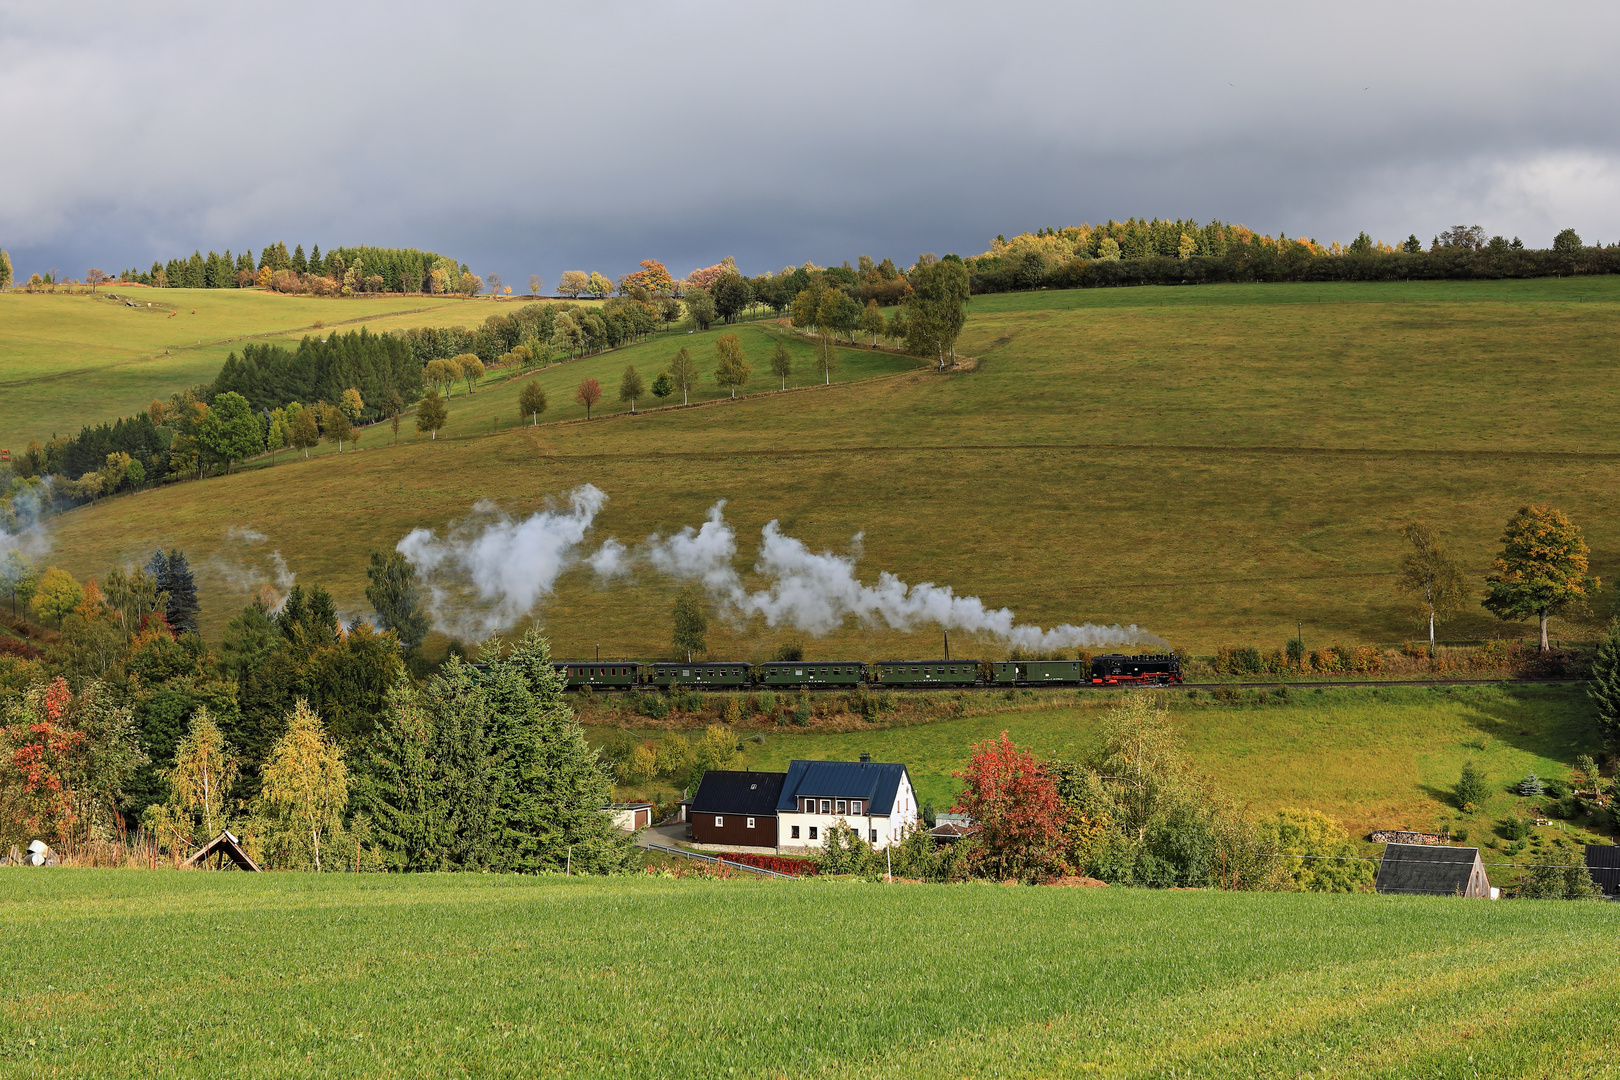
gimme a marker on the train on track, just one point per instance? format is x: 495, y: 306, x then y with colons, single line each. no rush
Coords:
x: 1113, y: 669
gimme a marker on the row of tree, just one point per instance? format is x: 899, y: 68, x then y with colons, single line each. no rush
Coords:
x: 348, y: 269
x: 1165, y: 252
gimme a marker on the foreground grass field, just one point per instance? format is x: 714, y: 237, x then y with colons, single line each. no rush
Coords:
x: 1213, y: 464
x: 67, y: 360
x: 192, y: 974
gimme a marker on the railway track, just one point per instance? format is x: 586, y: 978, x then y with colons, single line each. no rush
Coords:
x: 1272, y: 684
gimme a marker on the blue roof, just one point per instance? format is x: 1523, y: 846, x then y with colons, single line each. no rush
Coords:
x: 877, y: 782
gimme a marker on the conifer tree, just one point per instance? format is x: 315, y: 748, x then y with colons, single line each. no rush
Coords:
x: 395, y: 597
x: 1605, y: 686
x: 316, y: 265
x: 182, y: 589
x: 298, y: 262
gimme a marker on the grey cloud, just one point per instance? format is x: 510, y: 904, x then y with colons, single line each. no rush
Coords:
x: 532, y: 139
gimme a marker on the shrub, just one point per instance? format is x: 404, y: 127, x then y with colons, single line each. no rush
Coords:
x: 1531, y: 785
x: 733, y: 711
x: 789, y: 652
x: 1321, y: 857
x: 1513, y: 828
x: 765, y: 703
x: 1460, y: 835
x: 1557, y: 788
x: 1566, y: 879
x: 802, y: 710
x: 654, y: 705
x: 1471, y: 789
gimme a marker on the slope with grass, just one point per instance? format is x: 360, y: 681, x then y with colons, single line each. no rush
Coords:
x: 1213, y: 464
x: 193, y: 974
x: 71, y: 359
x: 1384, y: 758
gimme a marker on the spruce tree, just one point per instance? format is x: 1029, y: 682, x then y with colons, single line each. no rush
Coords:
x: 316, y: 266
x: 395, y: 598
x: 182, y: 589
x: 1605, y: 686
x: 298, y: 262
x: 551, y: 786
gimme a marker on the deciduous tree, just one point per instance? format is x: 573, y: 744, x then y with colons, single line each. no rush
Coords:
x: 199, y: 784
x: 472, y: 368
x: 391, y: 587
x: 535, y: 282
x: 700, y: 306
x: 731, y: 371
x: 1541, y: 570
x: 573, y: 283
x: 663, y: 386
x: 588, y: 393
x: 352, y: 405
x: 306, y: 784
x: 1014, y: 801
x: 683, y: 370
x: 57, y: 594
x: 691, y: 624
x: 532, y: 401
x: 431, y: 414
x: 872, y: 321
x: 598, y: 285
x: 231, y: 430
x: 1430, y: 576
x: 305, y: 431
x: 631, y: 386
x: 335, y: 427
x: 782, y: 362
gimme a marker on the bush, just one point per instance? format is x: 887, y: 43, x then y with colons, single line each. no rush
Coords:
x: 733, y: 711
x: 1514, y: 828
x: 1556, y: 788
x: 1471, y: 789
x: 1321, y: 856
x: 653, y: 705
x: 1460, y: 835
x: 765, y: 703
x: 1568, y: 880
x: 802, y: 710
x: 1531, y: 786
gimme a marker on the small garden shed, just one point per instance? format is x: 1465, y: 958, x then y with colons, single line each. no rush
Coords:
x: 1429, y: 870
x: 1603, y: 863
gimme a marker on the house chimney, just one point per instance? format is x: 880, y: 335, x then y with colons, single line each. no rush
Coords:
x: 866, y: 759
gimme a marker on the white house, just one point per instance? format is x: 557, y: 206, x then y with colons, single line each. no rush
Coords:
x: 873, y: 798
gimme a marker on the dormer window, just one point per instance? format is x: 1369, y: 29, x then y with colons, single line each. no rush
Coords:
x: 855, y: 806
x: 826, y: 806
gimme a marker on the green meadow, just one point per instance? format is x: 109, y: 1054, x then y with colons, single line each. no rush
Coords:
x: 1375, y: 758
x: 167, y: 974
x: 71, y: 359
x: 1215, y: 464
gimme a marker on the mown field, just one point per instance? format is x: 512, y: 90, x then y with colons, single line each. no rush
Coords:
x: 166, y: 974
x: 1214, y: 464
x: 1375, y: 758
x: 67, y: 360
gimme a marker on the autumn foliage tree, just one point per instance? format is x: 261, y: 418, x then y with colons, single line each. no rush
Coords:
x: 588, y: 393
x: 1541, y: 570
x: 1014, y: 801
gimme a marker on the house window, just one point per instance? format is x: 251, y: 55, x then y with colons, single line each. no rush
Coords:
x: 795, y: 832
x: 719, y: 822
x: 809, y: 806
x: 812, y: 832
x: 826, y: 806
x: 854, y: 806
x: 750, y: 823
x: 874, y: 836
x: 843, y: 807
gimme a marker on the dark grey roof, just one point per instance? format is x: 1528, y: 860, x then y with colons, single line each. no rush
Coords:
x: 877, y: 782
x: 930, y: 663
x: 1603, y: 862
x: 1430, y: 870
x: 725, y: 791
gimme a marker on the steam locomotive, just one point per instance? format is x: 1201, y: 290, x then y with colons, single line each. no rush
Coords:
x: 1111, y: 669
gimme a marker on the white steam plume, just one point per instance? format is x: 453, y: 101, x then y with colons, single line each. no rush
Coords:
x: 507, y: 564
x: 22, y: 523
x: 815, y: 592
x: 246, y: 569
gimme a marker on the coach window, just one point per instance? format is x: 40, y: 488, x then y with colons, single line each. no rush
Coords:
x: 719, y: 822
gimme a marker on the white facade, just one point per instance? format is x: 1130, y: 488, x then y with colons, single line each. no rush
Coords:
x: 805, y: 829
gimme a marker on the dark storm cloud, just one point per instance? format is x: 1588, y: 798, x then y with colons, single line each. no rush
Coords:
x: 531, y: 138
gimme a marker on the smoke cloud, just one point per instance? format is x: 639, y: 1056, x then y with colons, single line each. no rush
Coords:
x: 22, y: 523
x: 815, y: 592
x: 504, y: 565
x: 245, y: 567
x: 490, y: 570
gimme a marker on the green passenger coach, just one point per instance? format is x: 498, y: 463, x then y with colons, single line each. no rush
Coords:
x: 731, y: 673
x: 811, y: 673
x: 580, y: 673
x: 927, y: 672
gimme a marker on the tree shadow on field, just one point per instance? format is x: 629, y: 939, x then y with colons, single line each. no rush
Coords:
x: 1552, y: 722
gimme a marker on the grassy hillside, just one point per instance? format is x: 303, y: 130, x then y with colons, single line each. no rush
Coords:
x: 1374, y: 758
x: 1213, y: 464
x: 71, y: 359
x: 168, y: 975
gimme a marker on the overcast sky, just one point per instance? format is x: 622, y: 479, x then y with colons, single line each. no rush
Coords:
x: 533, y: 138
